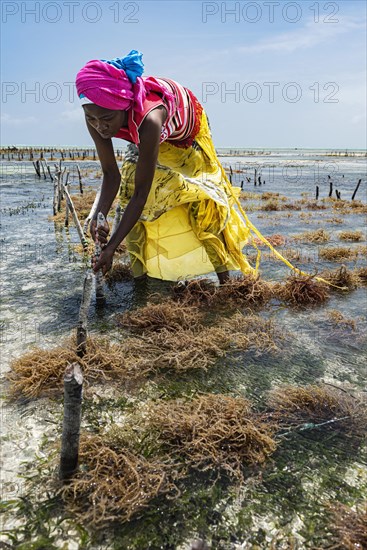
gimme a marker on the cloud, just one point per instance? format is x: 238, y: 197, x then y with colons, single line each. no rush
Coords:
x: 309, y: 36
x: 359, y: 119
x: 10, y: 120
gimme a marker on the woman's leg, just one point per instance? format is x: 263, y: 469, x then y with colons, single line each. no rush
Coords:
x: 208, y: 232
x: 135, y: 242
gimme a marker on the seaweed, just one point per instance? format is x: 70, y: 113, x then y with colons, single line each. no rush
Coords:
x: 351, y: 236
x: 301, y: 291
x: 350, y: 525
x: 316, y: 236
x: 157, y: 317
x: 214, y: 430
x: 338, y: 253
x: 113, y: 483
x: 292, y: 406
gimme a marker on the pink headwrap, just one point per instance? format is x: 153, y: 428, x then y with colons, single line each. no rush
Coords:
x: 108, y: 86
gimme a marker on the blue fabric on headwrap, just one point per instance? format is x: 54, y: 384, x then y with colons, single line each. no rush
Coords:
x: 132, y: 64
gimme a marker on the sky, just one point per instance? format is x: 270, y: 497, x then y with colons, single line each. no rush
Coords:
x: 270, y: 74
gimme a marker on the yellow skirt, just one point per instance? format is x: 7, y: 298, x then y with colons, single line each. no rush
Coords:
x: 189, y: 225
x: 193, y: 222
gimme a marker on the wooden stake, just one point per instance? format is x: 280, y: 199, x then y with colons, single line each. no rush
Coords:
x: 317, y: 191
x: 43, y: 169
x: 37, y: 168
x: 59, y: 190
x: 73, y: 385
x: 356, y: 189
x: 76, y: 219
x: 92, y: 211
x: 117, y: 219
x: 66, y: 214
x: 100, y: 297
x: 80, y: 179
x: 49, y: 171
x: 331, y: 189
x: 56, y: 198
x: 81, y: 332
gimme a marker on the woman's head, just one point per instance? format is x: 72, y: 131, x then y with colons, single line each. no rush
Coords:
x: 115, y: 84
x: 106, y: 122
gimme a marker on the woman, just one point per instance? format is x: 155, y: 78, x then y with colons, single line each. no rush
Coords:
x: 179, y: 219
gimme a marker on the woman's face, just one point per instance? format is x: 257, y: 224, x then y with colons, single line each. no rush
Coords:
x: 105, y: 121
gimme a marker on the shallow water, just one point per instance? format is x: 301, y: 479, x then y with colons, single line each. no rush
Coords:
x: 41, y: 285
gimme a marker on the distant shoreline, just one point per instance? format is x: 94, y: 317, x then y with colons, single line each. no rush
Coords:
x: 267, y: 150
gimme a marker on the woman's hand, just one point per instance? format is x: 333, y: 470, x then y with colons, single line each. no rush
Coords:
x: 104, y: 261
x: 100, y: 233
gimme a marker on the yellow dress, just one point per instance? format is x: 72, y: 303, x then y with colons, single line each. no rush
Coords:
x: 192, y: 223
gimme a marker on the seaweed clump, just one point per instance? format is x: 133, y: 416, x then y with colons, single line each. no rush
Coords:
x: 242, y: 290
x: 355, y: 236
x: 168, y: 316
x: 159, y: 348
x: 41, y: 371
x: 301, y: 291
x: 338, y: 319
x: 319, y: 404
x: 82, y: 204
x: 338, y: 253
x: 350, y: 525
x: 275, y: 240
x: 246, y: 289
x: 342, y: 277
x: 197, y: 292
x: 252, y: 332
x: 317, y: 236
x: 116, y: 482
x: 214, y: 430
x: 113, y: 483
x: 118, y: 273
x: 271, y: 205
x: 361, y: 273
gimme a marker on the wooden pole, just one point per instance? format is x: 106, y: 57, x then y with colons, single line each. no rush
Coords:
x: 331, y: 189
x: 80, y: 179
x: 255, y: 177
x: 43, y: 169
x: 37, y: 168
x: 92, y: 211
x: 73, y: 385
x: 81, y: 332
x: 317, y: 191
x: 49, y: 173
x: 66, y: 214
x: 76, y: 219
x: 100, y: 297
x: 356, y: 189
x: 117, y: 219
x: 56, y: 192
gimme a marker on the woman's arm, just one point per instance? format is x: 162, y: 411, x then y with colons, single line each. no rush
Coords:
x: 111, y: 179
x: 150, y: 133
